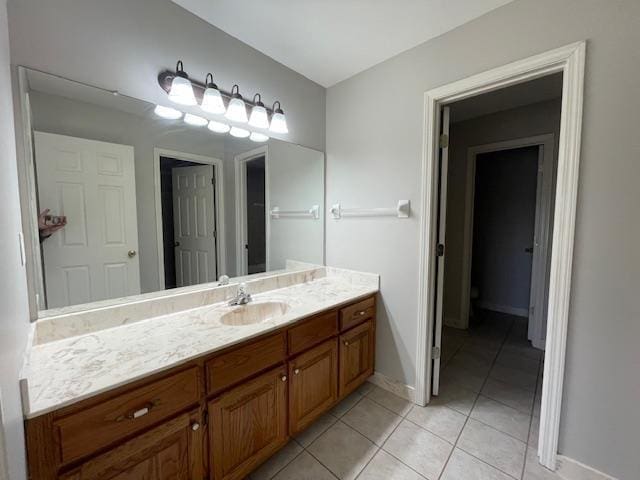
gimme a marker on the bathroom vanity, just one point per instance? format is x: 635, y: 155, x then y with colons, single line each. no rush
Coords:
x: 208, y: 392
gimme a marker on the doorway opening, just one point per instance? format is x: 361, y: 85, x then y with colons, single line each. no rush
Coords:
x: 189, y: 219
x: 497, y: 330
x: 252, y: 216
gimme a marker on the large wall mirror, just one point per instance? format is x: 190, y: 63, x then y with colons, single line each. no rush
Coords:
x: 123, y: 202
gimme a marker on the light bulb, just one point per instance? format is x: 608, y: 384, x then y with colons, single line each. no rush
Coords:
x: 236, y: 111
x: 181, y: 91
x: 167, y: 112
x: 218, y: 127
x: 195, y: 120
x: 278, y: 120
x: 239, y: 132
x: 212, y: 100
x: 258, y: 137
x: 258, y: 118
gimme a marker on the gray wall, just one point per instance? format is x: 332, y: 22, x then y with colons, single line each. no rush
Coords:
x: 14, y: 314
x: 374, y: 149
x: 123, y: 45
x: 504, y: 221
x: 528, y: 121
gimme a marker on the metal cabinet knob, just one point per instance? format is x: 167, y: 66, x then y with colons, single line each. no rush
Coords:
x: 284, y: 378
x: 195, y: 426
x: 131, y: 253
x: 296, y: 371
x: 346, y: 343
x: 361, y: 313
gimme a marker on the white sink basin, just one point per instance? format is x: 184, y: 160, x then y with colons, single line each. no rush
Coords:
x: 253, y: 313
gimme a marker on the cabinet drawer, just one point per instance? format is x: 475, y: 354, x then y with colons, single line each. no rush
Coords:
x: 357, y: 313
x: 98, y: 426
x: 312, y: 332
x: 233, y: 366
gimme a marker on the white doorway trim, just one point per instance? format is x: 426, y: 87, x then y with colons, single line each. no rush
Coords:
x: 544, y: 193
x: 570, y: 61
x: 241, y: 161
x: 221, y: 252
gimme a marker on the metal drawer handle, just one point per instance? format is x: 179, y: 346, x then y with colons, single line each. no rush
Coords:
x: 140, y: 412
x: 284, y: 378
x: 296, y: 371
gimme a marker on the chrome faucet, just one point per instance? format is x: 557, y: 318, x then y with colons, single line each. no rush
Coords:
x: 242, y: 297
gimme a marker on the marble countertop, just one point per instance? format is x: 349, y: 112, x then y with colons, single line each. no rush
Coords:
x: 63, y: 372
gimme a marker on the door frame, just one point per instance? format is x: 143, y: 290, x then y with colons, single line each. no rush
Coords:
x: 570, y: 60
x: 218, y: 174
x: 546, y: 147
x: 240, y: 162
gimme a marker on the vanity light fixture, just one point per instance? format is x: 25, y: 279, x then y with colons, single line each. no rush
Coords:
x: 181, y: 91
x: 259, y: 117
x: 167, y: 112
x: 218, y: 127
x: 278, y: 120
x: 258, y: 137
x: 239, y: 132
x: 195, y: 120
x: 211, y: 99
x: 237, y: 111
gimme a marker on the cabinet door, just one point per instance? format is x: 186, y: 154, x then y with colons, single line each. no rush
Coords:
x: 171, y: 451
x: 314, y: 384
x: 247, y: 425
x: 356, y: 357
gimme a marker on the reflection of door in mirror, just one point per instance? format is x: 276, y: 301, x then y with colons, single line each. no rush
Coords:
x: 94, y: 257
x: 255, y: 208
x: 189, y: 223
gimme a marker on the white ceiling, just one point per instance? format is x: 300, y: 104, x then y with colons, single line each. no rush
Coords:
x: 328, y: 41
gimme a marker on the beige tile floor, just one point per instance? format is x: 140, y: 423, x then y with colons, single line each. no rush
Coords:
x: 482, y: 426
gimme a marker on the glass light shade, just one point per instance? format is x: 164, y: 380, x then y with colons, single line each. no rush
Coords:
x: 239, y: 132
x: 258, y: 137
x: 218, y: 127
x: 279, y: 123
x: 236, y: 111
x: 182, y: 91
x: 259, y: 118
x: 212, y: 101
x: 167, y: 112
x: 195, y: 120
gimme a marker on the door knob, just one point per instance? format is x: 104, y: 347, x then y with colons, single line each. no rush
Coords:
x: 132, y: 253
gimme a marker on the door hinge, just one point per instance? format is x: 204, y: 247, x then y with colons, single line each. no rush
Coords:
x: 440, y: 250
x: 215, y: 234
x: 444, y: 140
x: 213, y: 181
x: 435, y: 353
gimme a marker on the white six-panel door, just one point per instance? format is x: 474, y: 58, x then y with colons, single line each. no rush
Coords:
x: 94, y: 257
x: 194, y: 225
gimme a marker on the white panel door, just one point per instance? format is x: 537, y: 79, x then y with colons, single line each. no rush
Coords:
x: 94, y: 257
x: 194, y: 224
x: 442, y: 222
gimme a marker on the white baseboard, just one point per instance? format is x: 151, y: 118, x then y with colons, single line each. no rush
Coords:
x: 397, y: 388
x: 520, y: 312
x: 571, y: 469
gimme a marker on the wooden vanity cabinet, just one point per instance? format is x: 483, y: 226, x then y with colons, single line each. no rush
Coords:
x: 247, y: 425
x: 219, y: 416
x: 356, y: 357
x: 313, y: 388
x: 171, y: 451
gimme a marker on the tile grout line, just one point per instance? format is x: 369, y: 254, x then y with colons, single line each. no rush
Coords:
x: 526, y: 451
